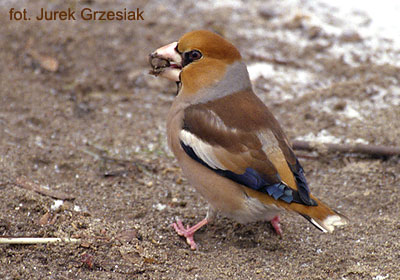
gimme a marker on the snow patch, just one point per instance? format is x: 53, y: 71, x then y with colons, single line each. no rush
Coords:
x: 159, y: 206
x: 350, y: 112
x: 57, y: 204
x: 287, y: 83
x: 322, y: 137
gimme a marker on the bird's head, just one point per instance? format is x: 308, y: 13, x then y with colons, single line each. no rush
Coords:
x: 198, y: 60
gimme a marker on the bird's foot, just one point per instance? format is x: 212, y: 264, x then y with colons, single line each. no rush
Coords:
x: 188, y: 232
x: 275, y: 222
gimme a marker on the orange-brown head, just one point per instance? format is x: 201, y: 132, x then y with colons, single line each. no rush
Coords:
x: 198, y: 60
x: 211, y: 45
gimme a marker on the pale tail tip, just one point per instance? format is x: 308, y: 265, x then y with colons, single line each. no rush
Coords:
x: 329, y: 223
x: 333, y: 221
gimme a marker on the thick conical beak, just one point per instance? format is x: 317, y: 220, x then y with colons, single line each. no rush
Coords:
x: 166, y: 62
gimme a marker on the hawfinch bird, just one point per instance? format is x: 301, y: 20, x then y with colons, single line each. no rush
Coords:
x: 229, y: 145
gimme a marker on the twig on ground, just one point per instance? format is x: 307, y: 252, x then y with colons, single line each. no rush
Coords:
x: 371, y: 150
x: 36, y: 240
x: 273, y: 60
x: 23, y: 183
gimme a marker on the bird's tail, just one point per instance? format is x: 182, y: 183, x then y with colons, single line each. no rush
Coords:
x: 321, y: 216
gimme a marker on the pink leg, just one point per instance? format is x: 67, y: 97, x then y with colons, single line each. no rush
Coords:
x: 188, y: 232
x: 275, y: 222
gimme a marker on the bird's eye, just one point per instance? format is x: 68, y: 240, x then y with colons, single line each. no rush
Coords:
x: 191, y: 56
x: 194, y: 55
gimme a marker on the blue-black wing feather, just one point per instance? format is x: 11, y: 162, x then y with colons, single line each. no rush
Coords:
x: 254, y: 180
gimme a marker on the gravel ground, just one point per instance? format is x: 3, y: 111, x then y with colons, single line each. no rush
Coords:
x: 82, y: 120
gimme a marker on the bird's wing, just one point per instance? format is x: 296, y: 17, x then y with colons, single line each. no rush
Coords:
x: 238, y: 138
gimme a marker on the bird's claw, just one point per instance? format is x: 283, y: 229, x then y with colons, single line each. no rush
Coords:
x: 185, y: 232
x: 275, y: 222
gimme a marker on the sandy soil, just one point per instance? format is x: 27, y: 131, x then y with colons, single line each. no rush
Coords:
x: 94, y: 130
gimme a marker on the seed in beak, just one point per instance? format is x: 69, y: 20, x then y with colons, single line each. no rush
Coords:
x: 158, y: 64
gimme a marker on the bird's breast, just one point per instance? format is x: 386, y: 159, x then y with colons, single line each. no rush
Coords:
x: 174, y: 126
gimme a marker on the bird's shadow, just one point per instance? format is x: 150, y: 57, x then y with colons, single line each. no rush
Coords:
x: 225, y: 233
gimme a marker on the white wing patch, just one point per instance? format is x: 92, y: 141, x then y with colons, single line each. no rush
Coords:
x: 269, y: 142
x: 202, y: 149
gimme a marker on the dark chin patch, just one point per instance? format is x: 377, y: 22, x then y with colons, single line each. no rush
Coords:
x: 178, y: 85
